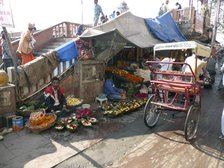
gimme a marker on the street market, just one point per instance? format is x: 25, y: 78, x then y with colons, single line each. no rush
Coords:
x: 145, y: 81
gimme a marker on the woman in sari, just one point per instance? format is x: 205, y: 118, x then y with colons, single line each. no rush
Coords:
x: 26, y: 45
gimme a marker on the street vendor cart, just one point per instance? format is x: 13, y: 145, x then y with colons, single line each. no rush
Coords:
x: 177, y: 90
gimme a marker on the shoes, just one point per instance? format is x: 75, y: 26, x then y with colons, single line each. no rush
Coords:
x: 1, y: 137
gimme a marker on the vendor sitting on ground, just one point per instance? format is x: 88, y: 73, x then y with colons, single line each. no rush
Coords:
x: 111, y: 91
x: 54, y: 97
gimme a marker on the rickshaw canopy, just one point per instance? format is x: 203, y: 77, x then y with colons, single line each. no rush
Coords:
x: 199, y: 49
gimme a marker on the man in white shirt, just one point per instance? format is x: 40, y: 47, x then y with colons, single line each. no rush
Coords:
x: 191, y: 61
x: 166, y: 66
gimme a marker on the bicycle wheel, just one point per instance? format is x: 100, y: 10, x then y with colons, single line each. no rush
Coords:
x: 151, y: 113
x: 191, y: 122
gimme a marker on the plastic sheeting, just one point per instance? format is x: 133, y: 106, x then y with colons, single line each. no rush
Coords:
x: 67, y: 51
x: 165, y: 28
x: 128, y: 27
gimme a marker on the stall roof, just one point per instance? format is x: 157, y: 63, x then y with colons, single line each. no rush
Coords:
x: 199, y: 49
x: 129, y: 27
x: 165, y: 28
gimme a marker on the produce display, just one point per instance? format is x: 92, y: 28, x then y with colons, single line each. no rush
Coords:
x: 125, y: 74
x: 72, y: 126
x: 59, y: 127
x: 86, y: 122
x: 38, y: 119
x: 27, y: 108
x: 93, y: 120
x: 71, y: 123
x: 84, y: 112
x: 71, y: 101
x: 115, y: 109
x: 65, y: 120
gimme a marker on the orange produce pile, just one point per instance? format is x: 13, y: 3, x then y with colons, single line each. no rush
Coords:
x: 125, y: 74
x: 42, y: 121
x: 36, y: 118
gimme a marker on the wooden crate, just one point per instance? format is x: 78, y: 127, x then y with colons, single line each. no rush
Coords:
x: 89, y: 79
x: 7, y: 100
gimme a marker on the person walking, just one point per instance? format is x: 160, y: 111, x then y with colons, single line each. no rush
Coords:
x: 6, y: 57
x: 97, y: 11
x: 26, y: 45
x: 220, y: 85
x: 178, y: 5
x: 166, y: 6
x: 211, y: 66
x: 161, y: 10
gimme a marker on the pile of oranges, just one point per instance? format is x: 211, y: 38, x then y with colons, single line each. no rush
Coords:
x: 125, y: 74
x: 40, y: 119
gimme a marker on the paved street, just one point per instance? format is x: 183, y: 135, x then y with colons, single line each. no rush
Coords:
x: 123, y: 142
x: 136, y: 146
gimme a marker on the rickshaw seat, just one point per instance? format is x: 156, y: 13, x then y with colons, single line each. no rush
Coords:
x: 191, y: 90
x: 175, y: 87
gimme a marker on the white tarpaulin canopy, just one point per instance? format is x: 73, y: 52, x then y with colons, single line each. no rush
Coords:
x: 129, y: 27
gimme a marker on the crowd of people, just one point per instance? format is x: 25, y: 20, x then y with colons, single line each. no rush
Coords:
x: 165, y: 7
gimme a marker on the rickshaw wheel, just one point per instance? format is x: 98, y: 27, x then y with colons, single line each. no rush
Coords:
x: 151, y: 113
x: 191, y: 122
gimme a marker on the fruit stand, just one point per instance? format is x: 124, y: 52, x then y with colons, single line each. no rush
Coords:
x: 122, y: 107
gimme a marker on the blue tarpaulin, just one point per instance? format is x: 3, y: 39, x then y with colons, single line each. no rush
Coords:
x: 67, y: 51
x: 165, y: 28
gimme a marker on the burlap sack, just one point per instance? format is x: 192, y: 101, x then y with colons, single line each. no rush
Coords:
x: 32, y: 72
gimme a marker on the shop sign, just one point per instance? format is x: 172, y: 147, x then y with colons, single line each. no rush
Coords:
x: 6, y: 16
x: 175, y: 46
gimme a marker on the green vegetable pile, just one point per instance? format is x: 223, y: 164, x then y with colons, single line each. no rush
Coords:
x: 32, y: 105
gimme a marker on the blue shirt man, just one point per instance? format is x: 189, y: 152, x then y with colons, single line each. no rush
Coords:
x: 111, y: 91
x: 97, y: 11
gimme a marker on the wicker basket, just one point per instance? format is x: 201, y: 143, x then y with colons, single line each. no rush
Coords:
x: 38, y: 129
x: 28, y: 112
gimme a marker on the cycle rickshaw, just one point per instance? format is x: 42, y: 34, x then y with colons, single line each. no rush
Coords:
x: 176, y: 90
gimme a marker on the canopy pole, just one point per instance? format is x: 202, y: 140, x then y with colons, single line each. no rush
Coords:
x: 82, y: 11
x: 112, y: 44
x: 217, y: 9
